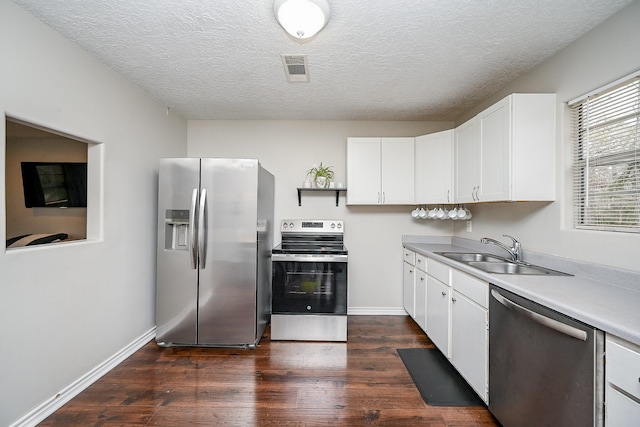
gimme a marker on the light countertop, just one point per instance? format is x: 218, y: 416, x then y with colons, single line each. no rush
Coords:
x: 606, y: 298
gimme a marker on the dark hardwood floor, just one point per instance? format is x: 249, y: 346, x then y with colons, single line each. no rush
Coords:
x: 362, y: 382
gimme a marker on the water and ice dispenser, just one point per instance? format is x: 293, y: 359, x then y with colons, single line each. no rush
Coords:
x: 176, y: 230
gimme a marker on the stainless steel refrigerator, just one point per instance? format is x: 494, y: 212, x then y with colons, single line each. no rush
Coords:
x: 215, y: 235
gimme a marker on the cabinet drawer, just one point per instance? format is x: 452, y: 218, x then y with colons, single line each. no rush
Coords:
x: 438, y: 270
x: 409, y: 256
x: 623, y: 365
x: 474, y: 289
x: 421, y: 262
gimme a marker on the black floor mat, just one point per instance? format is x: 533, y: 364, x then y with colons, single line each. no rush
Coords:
x: 437, y: 380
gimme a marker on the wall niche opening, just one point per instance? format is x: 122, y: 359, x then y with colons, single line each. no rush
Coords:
x: 48, y: 186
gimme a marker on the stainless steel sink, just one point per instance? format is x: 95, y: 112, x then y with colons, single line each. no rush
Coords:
x: 471, y: 257
x: 514, y: 268
x: 497, y: 265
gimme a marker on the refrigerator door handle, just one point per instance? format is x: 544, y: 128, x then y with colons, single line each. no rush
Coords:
x: 192, y: 229
x: 202, y: 229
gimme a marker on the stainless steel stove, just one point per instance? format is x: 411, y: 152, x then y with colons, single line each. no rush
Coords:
x: 309, y: 288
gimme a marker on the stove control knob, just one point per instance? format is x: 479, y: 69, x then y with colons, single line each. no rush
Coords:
x: 339, y: 226
x: 308, y: 307
x: 333, y: 225
x: 291, y: 225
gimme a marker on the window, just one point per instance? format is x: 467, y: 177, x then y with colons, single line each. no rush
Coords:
x: 606, y: 164
x: 53, y: 185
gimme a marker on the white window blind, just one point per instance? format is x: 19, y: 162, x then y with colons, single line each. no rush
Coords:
x: 606, y: 164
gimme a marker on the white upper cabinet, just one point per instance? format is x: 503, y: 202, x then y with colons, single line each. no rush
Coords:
x: 380, y: 171
x: 434, y: 168
x: 466, y: 161
x: 507, y: 152
x: 364, y: 163
x: 493, y: 124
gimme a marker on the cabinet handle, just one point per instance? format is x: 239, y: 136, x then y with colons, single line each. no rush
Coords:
x: 383, y: 198
x: 378, y: 197
x: 473, y: 193
x: 410, y: 271
x: 422, y: 278
x: 448, y: 191
x: 453, y: 299
x: 444, y: 294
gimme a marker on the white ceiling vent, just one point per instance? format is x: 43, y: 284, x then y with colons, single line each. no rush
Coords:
x: 296, y: 68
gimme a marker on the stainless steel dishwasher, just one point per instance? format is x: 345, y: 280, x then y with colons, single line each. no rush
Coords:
x: 545, y: 369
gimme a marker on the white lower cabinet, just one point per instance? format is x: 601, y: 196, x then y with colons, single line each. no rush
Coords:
x: 439, y: 305
x: 452, y: 307
x: 421, y: 299
x: 470, y: 330
x: 622, y: 392
x: 438, y: 313
x: 408, y: 282
x: 421, y: 292
x: 469, y: 342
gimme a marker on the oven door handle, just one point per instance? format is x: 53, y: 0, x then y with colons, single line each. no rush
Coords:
x: 539, y: 318
x: 308, y: 258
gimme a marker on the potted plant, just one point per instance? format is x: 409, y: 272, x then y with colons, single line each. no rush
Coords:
x: 321, y: 175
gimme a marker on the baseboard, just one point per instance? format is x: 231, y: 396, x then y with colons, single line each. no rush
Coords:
x: 380, y: 311
x: 49, y: 406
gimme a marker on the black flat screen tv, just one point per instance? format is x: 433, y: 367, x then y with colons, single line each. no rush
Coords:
x: 54, y: 184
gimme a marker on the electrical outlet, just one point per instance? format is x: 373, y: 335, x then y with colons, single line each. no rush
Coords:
x: 469, y: 226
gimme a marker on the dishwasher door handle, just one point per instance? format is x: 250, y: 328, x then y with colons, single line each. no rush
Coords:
x: 539, y: 318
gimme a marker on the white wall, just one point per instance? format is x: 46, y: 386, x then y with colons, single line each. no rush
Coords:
x: 605, y: 54
x: 66, y: 309
x: 288, y: 149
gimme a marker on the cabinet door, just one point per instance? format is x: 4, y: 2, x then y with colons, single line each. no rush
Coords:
x: 408, y: 285
x: 398, y: 171
x: 623, y: 389
x: 495, y: 164
x: 467, y: 161
x: 469, y: 342
x: 434, y: 168
x: 421, y: 299
x: 621, y: 411
x: 364, y: 164
x: 533, y: 146
x: 438, y: 296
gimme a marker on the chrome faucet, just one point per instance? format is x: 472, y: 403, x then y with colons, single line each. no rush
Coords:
x: 515, y: 251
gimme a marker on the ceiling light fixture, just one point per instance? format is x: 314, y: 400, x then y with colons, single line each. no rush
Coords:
x: 302, y: 19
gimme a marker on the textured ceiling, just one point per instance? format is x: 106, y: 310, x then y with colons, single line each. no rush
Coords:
x: 375, y: 60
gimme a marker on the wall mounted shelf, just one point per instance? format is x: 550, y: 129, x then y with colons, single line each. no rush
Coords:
x: 335, y: 190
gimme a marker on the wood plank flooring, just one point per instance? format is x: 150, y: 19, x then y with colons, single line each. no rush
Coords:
x: 361, y: 382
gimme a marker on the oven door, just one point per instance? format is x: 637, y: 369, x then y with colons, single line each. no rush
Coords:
x: 314, y: 284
